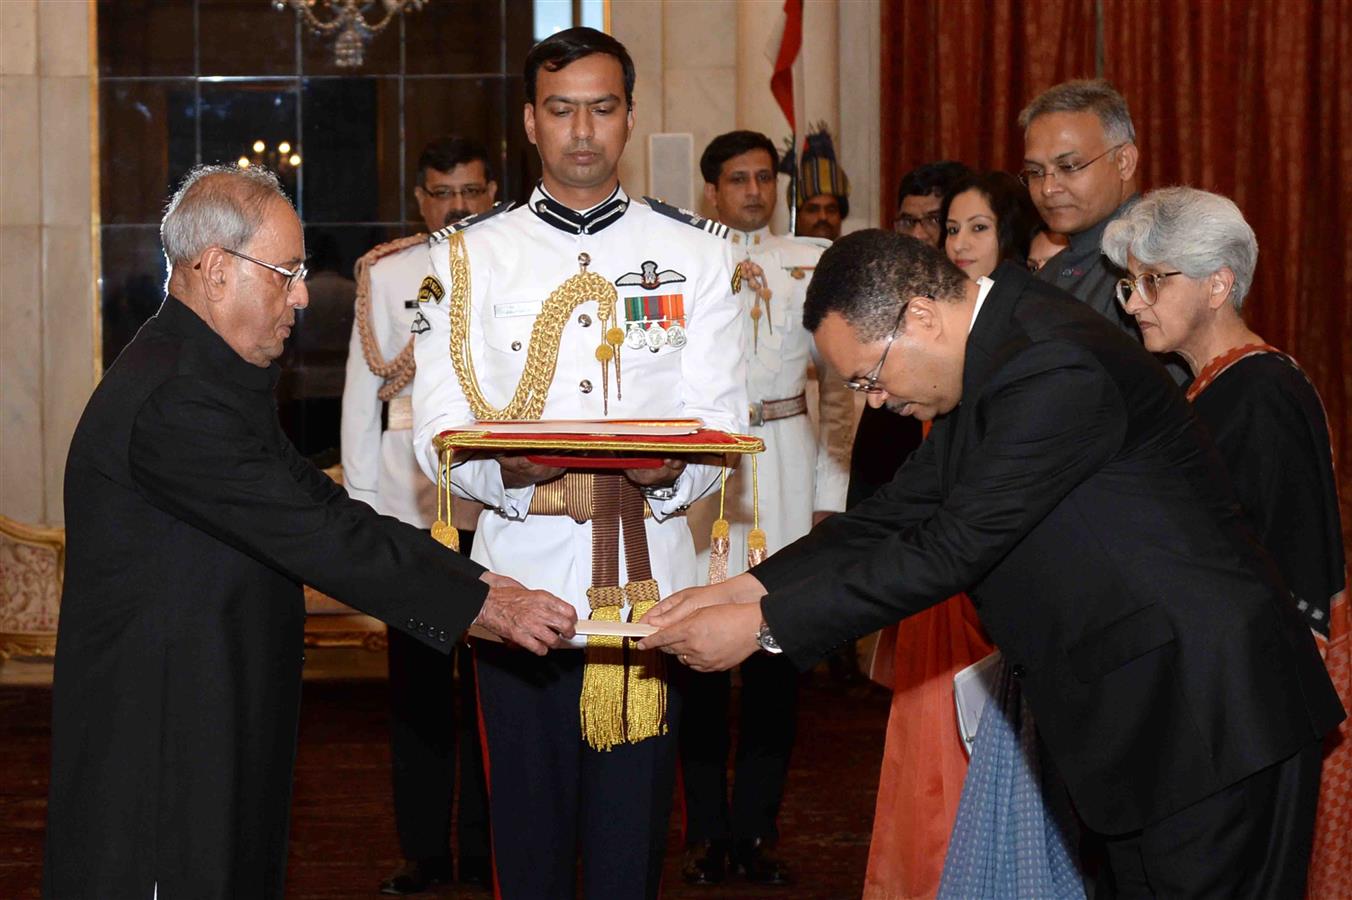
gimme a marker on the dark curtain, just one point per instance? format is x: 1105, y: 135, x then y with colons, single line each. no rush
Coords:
x: 1244, y: 97
x: 955, y: 74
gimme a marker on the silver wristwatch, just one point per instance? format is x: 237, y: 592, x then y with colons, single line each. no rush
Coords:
x: 767, y: 640
x: 660, y: 493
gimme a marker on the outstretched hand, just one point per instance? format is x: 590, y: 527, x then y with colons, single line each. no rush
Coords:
x: 711, y: 639
x: 744, y: 588
x: 535, y: 620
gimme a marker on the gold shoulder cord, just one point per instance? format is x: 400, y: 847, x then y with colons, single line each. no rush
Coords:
x: 396, y: 372
x: 542, y: 356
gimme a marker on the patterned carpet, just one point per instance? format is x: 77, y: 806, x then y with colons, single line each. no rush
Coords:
x: 342, y: 832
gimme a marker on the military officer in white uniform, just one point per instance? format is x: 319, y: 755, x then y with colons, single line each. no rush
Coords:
x: 803, y: 476
x: 454, y: 180
x: 680, y: 354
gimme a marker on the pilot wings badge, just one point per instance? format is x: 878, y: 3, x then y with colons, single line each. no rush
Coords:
x: 648, y: 277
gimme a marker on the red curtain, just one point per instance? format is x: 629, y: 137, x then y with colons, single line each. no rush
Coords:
x: 1248, y: 98
x: 956, y: 73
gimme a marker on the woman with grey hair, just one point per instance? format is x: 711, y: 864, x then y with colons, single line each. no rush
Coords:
x: 1191, y: 258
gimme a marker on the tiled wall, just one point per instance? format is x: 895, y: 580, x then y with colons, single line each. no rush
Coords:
x: 46, y: 263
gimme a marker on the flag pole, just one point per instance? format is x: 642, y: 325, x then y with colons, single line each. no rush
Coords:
x: 793, y: 187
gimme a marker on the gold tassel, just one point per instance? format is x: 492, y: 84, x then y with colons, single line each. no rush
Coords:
x: 756, y: 545
x: 443, y: 532
x: 720, y: 543
x: 646, y: 700
x: 603, y: 677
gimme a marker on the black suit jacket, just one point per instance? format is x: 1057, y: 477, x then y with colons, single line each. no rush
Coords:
x: 192, y: 523
x: 1075, y: 498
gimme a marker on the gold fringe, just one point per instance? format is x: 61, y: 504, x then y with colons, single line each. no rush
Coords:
x: 756, y: 549
x: 720, y: 544
x: 443, y: 532
x: 646, y: 703
x: 756, y: 544
x: 602, y: 702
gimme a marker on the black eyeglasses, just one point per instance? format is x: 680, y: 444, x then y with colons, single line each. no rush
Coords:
x: 1062, y: 170
x: 292, y: 276
x: 1147, y: 284
x: 468, y: 192
x: 869, y: 383
x: 929, y: 221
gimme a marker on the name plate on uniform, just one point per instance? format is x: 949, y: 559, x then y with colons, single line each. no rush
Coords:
x: 512, y: 310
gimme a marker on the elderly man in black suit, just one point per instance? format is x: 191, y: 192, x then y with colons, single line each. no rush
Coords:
x: 1067, y: 488
x: 192, y: 524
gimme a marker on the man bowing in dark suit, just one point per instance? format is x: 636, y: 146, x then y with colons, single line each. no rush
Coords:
x: 1066, y: 487
x: 192, y: 523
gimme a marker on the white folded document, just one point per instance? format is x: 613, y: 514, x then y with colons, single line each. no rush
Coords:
x: 584, y: 626
x: 972, y: 687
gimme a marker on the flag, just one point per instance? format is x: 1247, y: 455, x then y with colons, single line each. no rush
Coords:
x: 790, y: 44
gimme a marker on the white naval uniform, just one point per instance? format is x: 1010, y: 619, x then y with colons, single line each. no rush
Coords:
x: 806, y: 464
x: 379, y: 467
x: 516, y: 260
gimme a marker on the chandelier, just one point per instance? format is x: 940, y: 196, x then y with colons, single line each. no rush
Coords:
x: 347, y: 20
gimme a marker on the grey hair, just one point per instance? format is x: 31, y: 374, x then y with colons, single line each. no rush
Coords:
x: 216, y: 206
x: 1194, y: 231
x: 1093, y: 95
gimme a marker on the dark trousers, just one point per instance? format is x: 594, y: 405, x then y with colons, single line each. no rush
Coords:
x: 1250, y: 840
x: 426, y: 735
x: 766, y: 728
x: 553, y: 797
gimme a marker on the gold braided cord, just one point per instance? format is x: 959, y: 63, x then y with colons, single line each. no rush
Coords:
x: 486, y: 440
x: 398, y: 372
x: 542, y: 356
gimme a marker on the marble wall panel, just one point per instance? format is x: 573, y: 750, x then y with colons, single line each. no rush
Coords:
x: 67, y: 349
x: 638, y: 25
x: 21, y: 450
x: 20, y: 188
x: 860, y: 41
x: 699, y: 102
x: 702, y: 34
x: 18, y: 37
x: 63, y: 37
x: 66, y: 147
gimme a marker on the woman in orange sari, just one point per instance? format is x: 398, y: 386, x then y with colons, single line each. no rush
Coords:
x: 1191, y: 258
x: 987, y: 219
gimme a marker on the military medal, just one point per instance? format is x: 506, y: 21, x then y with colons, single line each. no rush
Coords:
x: 656, y: 337
x: 676, y: 337
x: 635, y: 339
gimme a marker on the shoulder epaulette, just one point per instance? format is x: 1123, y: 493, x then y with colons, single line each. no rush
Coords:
x: 810, y: 241
x: 380, y: 251
x: 717, y: 229
x: 438, y: 237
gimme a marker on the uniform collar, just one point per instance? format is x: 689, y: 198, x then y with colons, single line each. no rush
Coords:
x: 749, y: 238
x: 590, y: 221
x: 178, y: 318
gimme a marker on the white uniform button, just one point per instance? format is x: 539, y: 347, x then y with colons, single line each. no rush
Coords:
x: 585, y: 386
x: 516, y: 345
x: 584, y: 320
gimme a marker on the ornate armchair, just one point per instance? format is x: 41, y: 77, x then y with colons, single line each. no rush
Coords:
x: 32, y: 564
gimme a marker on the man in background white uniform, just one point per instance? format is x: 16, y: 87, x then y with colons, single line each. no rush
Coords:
x: 803, y: 476
x: 454, y: 180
